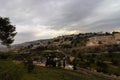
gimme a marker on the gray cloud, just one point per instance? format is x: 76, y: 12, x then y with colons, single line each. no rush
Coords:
x: 74, y: 12
x: 47, y: 12
x: 33, y: 17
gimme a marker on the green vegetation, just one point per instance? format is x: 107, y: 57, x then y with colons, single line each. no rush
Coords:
x: 59, y: 74
x: 12, y: 71
x: 108, y: 63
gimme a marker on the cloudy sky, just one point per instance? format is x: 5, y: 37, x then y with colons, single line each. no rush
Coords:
x: 41, y: 19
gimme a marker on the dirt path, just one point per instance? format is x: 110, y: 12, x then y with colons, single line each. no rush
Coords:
x: 85, y: 71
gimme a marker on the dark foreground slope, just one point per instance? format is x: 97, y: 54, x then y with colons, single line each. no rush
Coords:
x: 11, y: 71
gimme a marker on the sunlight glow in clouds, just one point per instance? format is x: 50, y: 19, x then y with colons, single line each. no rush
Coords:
x: 52, y: 33
x: 40, y: 32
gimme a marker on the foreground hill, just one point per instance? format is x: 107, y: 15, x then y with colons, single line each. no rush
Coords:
x: 11, y: 71
x: 59, y: 74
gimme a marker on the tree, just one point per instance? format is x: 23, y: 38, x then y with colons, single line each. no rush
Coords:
x: 7, y: 31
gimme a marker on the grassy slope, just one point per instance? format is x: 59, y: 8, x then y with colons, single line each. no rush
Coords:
x: 19, y: 72
x: 59, y: 74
